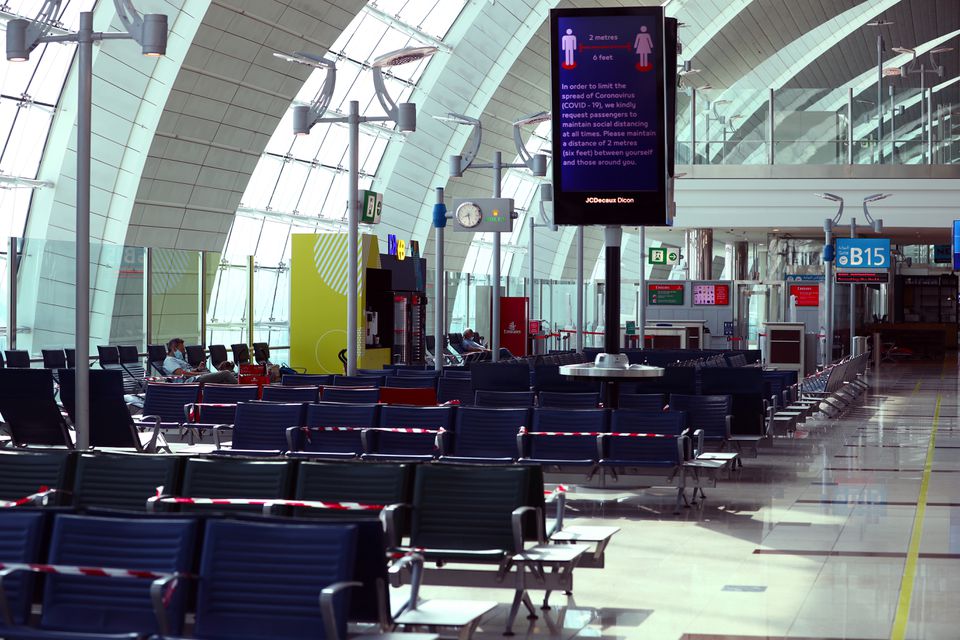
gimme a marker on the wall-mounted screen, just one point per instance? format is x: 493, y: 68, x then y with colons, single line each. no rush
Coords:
x: 807, y: 295
x: 956, y: 245
x: 610, y: 136
x: 711, y: 295
x: 665, y: 294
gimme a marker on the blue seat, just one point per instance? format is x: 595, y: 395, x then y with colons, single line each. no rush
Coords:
x: 30, y: 413
x: 455, y: 389
x: 416, y: 373
x: 639, y: 420
x: 649, y: 402
x: 562, y: 400
x: 516, y: 399
x: 167, y: 401
x: 350, y: 394
x: 262, y: 426
x: 301, y: 379
x: 409, y: 432
x: 289, y: 393
x: 709, y: 413
x: 410, y: 382
x: 334, y: 429
x: 123, y: 481
x: 21, y: 532
x: 23, y: 473
x: 655, y: 450
x: 566, y: 436
x: 203, y: 415
x: 370, y: 483
x: 500, y: 377
x: 277, y: 595
x: 358, y: 381
x: 455, y: 372
x: 746, y: 388
x: 483, y: 434
x: 98, y: 605
x: 225, y: 477
x: 110, y: 422
x: 230, y: 393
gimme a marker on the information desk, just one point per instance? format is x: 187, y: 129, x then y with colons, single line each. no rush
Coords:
x: 611, y: 377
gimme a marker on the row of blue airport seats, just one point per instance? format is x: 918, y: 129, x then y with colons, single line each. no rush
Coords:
x: 481, y: 434
x: 195, y: 561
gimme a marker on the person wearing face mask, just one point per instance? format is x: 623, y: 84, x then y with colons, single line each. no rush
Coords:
x: 176, y: 364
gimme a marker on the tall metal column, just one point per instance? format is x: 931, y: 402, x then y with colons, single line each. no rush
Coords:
x: 853, y: 293
x: 642, y: 302
x: 250, y: 301
x: 353, y: 236
x: 579, y: 289
x: 700, y: 254
x: 531, y: 252
x: 850, y: 126
x: 828, y: 293
x: 13, y: 262
x: 929, y: 101
x: 147, y: 297
x: 893, y: 125
x: 741, y: 259
x: 693, y: 126
x: 880, y: 98
x: 439, y: 294
x: 923, y: 114
x: 613, y: 236
x: 495, y: 323
x: 202, y: 298
x: 771, y: 127
x: 82, y: 302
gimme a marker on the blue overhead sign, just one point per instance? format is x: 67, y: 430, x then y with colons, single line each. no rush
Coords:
x: 863, y: 253
x: 956, y: 245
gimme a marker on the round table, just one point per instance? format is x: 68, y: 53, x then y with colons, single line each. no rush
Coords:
x: 611, y: 376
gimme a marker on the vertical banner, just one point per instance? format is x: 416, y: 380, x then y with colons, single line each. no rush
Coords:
x: 514, y: 324
x: 318, y: 299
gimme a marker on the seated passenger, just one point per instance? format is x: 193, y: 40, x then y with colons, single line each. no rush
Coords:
x: 470, y: 345
x: 176, y: 364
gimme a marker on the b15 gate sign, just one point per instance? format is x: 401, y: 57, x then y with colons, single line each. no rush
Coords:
x: 863, y: 253
x: 609, y: 115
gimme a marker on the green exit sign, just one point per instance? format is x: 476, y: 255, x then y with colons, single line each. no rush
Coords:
x: 371, y: 204
x: 663, y: 255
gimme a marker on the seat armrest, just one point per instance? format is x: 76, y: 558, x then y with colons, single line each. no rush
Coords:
x: 219, y: 429
x: 161, y: 591
x: 415, y: 561
x: 327, y: 612
x: 152, y: 445
x: 729, y: 423
x: 516, y: 519
x: 391, y: 528
x: 291, y: 435
x: 698, y: 438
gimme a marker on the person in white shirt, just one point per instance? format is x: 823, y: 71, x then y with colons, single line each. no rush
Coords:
x: 175, y: 364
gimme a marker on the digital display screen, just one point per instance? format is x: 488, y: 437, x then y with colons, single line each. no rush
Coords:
x: 956, y: 245
x: 711, y: 294
x: 665, y: 294
x: 863, y: 277
x: 609, y: 115
x: 807, y: 295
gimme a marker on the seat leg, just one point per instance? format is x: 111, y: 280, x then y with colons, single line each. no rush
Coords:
x: 514, y: 609
x: 546, y: 601
x: 466, y: 632
x: 531, y: 612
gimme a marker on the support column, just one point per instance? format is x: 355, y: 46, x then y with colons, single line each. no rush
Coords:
x: 642, y: 301
x: 700, y: 254
x: 613, y: 236
x: 13, y: 262
x: 853, y: 294
x: 439, y: 282
x: 353, y: 238
x: 147, y: 297
x: 82, y: 287
x: 495, y: 322
x: 579, y: 289
x: 202, y: 298
x: 741, y: 260
x: 250, y: 307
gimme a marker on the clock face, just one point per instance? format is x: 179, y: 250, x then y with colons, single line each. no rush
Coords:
x: 469, y: 215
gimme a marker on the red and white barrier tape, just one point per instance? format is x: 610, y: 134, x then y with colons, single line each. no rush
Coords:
x: 560, y: 488
x: 258, y: 502
x: 101, y: 572
x: 640, y: 435
x: 563, y: 433
x: 25, y: 500
x: 410, y: 430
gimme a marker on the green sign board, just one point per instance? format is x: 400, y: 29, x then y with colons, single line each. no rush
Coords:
x: 631, y: 328
x: 665, y: 294
x: 663, y: 255
x: 371, y: 203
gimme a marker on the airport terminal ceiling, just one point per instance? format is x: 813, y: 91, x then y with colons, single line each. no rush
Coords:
x: 240, y: 182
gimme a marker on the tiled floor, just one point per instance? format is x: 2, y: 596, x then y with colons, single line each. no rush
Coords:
x: 812, y: 540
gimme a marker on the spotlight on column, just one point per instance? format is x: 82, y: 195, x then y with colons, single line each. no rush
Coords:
x: 154, y: 35
x: 301, y: 120
x: 456, y: 166
x: 17, y: 40
x: 407, y: 117
x: 538, y: 165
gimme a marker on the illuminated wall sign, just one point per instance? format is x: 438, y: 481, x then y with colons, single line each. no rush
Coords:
x: 807, y: 295
x: 863, y: 277
x: 610, y: 135
x: 863, y: 253
x: 711, y: 295
x: 665, y: 294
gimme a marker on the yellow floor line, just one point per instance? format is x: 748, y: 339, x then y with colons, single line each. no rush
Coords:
x: 910, y: 569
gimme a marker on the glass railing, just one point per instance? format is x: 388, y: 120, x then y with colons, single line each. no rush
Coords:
x: 813, y: 127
